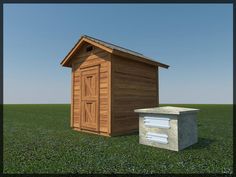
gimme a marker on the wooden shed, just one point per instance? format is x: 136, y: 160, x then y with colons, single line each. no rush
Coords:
x: 108, y: 83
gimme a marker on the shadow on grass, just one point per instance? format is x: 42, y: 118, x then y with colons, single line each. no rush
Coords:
x: 202, y: 143
x: 126, y: 135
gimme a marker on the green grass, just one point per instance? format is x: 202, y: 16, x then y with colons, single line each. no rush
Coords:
x: 38, y: 139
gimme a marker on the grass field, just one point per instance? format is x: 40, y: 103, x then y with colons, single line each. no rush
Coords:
x: 38, y: 139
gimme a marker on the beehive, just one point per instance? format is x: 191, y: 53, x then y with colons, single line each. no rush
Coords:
x: 168, y: 127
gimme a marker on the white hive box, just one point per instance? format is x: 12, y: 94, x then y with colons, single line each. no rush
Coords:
x: 168, y: 127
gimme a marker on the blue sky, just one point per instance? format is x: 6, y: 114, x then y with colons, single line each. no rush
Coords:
x: 194, y: 39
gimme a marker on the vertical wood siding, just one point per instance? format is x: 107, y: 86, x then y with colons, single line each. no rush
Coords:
x: 85, y: 59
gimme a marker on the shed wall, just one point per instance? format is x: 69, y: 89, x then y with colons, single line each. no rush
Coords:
x: 134, y: 85
x: 86, y: 59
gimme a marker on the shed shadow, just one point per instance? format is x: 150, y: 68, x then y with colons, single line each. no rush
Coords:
x: 135, y: 133
x: 201, y: 144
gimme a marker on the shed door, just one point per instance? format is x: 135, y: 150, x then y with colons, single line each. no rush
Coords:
x: 90, y: 98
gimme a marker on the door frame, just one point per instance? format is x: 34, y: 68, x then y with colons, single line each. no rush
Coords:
x: 87, y: 68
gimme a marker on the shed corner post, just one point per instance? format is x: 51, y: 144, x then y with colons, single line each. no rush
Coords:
x: 72, y: 98
x: 157, y: 85
x: 111, y: 82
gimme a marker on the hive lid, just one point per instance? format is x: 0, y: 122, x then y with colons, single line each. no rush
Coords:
x: 167, y: 110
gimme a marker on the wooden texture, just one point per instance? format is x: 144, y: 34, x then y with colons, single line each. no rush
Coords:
x: 157, y: 85
x: 82, y: 61
x: 67, y: 61
x: 106, y: 89
x: 134, y: 85
x: 90, y: 98
x: 138, y: 58
x: 72, y: 99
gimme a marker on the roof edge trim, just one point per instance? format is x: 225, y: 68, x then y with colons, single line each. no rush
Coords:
x: 93, y: 41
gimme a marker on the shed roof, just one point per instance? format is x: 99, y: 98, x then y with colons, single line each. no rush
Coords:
x: 111, y: 48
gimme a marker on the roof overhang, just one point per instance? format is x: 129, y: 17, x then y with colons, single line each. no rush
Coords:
x: 67, y: 60
x: 137, y: 58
